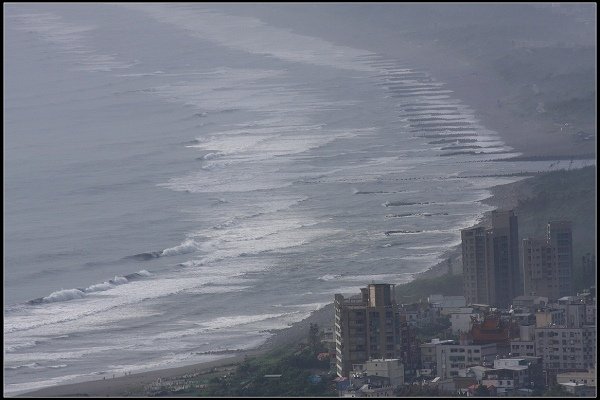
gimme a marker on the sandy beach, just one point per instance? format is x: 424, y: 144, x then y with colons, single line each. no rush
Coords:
x: 126, y: 385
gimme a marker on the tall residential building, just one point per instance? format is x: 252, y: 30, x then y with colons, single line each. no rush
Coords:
x: 548, y: 264
x: 561, y: 238
x: 540, y: 274
x: 368, y: 327
x: 491, y: 261
x: 506, y: 277
x: 475, y: 265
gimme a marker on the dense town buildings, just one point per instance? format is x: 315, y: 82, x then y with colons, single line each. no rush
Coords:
x: 514, y: 332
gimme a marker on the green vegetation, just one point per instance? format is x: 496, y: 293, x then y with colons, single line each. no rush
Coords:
x: 415, y: 291
x: 282, y: 372
x: 439, y: 328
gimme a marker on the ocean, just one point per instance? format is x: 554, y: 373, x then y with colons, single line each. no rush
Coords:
x: 180, y: 182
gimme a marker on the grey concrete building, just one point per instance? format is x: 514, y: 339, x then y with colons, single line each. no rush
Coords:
x: 491, y: 261
x: 564, y: 349
x: 548, y: 263
x: 476, y: 277
x: 561, y: 238
x: 451, y: 358
x: 505, y: 253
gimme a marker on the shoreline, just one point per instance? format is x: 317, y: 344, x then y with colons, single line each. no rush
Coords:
x: 135, y: 383
x: 451, y: 262
x: 125, y: 385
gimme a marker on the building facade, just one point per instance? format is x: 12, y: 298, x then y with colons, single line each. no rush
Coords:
x: 505, y: 258
x: 561, y: 238
x: 491, y: 261
x: 548, y: 263
x: 564, y: 349
x: 451, y: 358
x: 369, y: 327
x: 475, y: 265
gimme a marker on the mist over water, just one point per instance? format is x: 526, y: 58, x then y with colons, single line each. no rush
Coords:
x: 176, y: 187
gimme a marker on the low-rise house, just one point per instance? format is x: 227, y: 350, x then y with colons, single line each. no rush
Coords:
x: 368, y: 387
x: 587, y: 377
x: 524, y: 345
x: 511, y: 374
x: 391, y: 369
x: 418, y: 314
x: 461, y: 319
x: 502, y: 380
x: 429, y: 357
x: 530, y: 303
x: 578, y: 389
x: 549, y: 317
x: 442, y: 303
x: 476, y: 372
x: 451, y: 358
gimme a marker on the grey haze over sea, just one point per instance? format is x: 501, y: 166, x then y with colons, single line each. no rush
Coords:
x: 179, y: 182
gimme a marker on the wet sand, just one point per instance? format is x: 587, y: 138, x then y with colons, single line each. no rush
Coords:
x: 133, y: 384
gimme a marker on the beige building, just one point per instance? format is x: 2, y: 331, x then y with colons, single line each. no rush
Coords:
x: 524, y: 345
x: 392, y: 369
x: 549, y: 317
x: 367, y: 327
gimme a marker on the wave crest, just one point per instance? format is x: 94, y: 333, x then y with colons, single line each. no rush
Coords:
x: 188, y: 246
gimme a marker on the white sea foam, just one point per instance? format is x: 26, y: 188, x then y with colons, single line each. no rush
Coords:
x: 188, y: 246
x: 238, y: 320
x: 400, y: 277
x: 63, y: 295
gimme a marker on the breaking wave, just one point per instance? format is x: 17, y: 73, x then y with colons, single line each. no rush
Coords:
x: 189, y: 246
x: 79, y: 293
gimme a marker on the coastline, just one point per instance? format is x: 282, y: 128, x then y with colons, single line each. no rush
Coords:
x: 126, y: 385
x: 134, y: 384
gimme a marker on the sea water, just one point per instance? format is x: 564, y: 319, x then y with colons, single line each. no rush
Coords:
x: 180, y: 182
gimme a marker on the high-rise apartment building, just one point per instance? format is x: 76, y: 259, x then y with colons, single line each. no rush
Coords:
x: 548, y: 263
x: 368, y: 327
x: 476, y: 278
x: 491, y: 261
x: 506, y: 277
x: 540, y: 276
x: 561, y: 238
